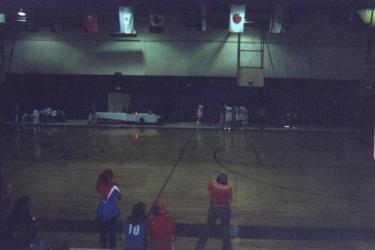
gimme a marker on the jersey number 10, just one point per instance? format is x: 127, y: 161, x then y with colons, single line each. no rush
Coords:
x: 134, y: 230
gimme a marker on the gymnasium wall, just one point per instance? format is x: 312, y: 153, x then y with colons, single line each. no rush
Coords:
x: 311, y: 49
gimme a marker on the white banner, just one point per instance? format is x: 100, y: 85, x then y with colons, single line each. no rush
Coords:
x: 237, y: 18
x: 203, y: 17
x: 367, y: 16
x: 2, y: 18
x: 126, y: 19
x: 276, y: 23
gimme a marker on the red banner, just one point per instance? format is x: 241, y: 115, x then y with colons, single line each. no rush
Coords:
x: 91, y: 23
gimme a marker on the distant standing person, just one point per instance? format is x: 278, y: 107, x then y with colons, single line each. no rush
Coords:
x: 220, y: 195
x: 17, y: 117
x: 228, y: 117
x: 161, y: 229
x: 92, y: 114
x: 243, y: 116
x: 221, y: 116
x: 107, y: 211
x: 236, y: 116
x: 135, y: 228
x: 262, y: 116
x: 36, y: 120
x: 199, y: 113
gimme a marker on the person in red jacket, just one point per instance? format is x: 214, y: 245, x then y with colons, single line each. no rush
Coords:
x: 220, y: 195
x: 161, y: 229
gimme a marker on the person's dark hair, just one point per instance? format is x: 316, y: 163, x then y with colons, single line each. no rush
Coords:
x: 155, y: 210
x: 222, y: 179
x: 138, y: 214
x: 108, y: 173
x: 104, y: 178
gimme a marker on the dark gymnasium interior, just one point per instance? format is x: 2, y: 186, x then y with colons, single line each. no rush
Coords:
x: 297, y: 66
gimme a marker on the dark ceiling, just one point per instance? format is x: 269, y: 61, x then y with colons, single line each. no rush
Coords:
x: 294, y: 4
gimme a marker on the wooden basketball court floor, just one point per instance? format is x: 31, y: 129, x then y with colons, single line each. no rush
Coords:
x: 292, y: 190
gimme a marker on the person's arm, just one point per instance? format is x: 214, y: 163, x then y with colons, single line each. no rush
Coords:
x: 119, y: 195
x: 230, y: 195
x: 209, y: 190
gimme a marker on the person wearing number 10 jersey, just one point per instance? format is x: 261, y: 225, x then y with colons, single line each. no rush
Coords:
x: 135, y: 228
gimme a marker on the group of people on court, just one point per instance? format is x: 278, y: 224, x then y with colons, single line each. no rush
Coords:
x: 233, y: 117
x: 230, y: 117
x: 158, y: 232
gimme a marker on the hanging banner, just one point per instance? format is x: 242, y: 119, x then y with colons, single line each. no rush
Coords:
x: 203, y: 17
x: 237, y: 18
x: 126, y: 18
x: 156, y: 23
x: 91, y: 23
x: 276, y: 23
x: 2, y: 18
x: 367, y: 16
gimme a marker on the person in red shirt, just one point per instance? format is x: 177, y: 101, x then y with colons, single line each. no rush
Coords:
x: 161, y: 229
x: 220, y: 196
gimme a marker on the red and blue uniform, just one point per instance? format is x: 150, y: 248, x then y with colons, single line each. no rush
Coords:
x: 107, y: 213
x: 107, y: 208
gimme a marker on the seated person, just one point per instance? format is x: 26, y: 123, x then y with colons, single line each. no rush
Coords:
x: 21, y: 226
